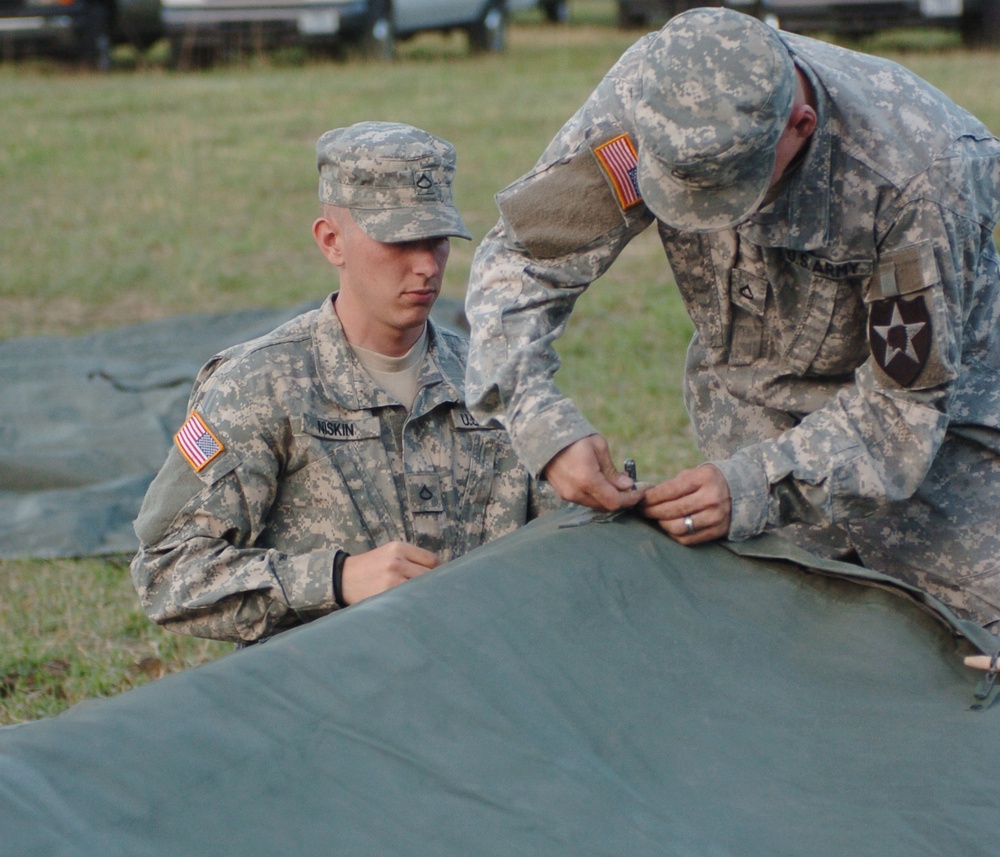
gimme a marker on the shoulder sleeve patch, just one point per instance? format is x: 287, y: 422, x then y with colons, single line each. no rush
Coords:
x: 900, y: 335
x: 620, y: 162
x: 197, y: 443
x: 907, y: 318
x: 562, y: 208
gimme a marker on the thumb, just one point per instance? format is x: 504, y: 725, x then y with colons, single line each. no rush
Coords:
x: 620, y: 480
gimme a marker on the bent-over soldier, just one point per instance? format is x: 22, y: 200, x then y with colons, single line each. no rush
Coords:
x: 829, y: 219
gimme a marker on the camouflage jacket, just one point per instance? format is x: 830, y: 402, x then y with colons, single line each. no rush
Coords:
x: 297, y: 456
x: 840, y: 333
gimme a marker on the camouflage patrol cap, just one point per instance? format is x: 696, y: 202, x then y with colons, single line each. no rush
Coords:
x: 395, y: 179
x: 717, y: 91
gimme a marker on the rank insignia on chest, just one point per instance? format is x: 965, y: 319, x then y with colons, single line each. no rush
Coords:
x: 197, y: 443
x: 899, y: 332
x: 618, y: 158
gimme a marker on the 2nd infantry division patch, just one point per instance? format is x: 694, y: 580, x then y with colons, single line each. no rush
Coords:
x: 899, y: 332
x: 197, y: 443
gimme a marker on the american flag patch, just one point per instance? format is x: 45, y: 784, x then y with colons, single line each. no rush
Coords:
x: 619, y: 160
x: 197, y: 443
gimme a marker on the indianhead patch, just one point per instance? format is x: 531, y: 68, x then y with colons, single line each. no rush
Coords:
x: 899, y: 332
x: 197, y: 443
x: 620, y: 162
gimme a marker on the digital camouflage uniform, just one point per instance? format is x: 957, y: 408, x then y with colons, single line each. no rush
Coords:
x: 844, y: 373
x: 292, y: 456
x: 308, y: 457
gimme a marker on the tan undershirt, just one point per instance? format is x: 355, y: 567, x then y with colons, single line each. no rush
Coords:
x: 398, y: 376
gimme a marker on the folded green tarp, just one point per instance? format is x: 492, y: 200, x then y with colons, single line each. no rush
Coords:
x: 572, y: 689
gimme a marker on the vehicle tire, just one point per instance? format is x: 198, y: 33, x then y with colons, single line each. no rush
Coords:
x: 556, y: 11
x: 378, y: 41
x: 981, y: 27
x: 489, y: 33
x: 96, y: 36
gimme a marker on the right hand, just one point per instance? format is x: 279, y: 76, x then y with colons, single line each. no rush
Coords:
x: 584, y: 473
x: 367, y: 574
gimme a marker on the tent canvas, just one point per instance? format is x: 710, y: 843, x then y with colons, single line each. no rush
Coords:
x: 580, y: 687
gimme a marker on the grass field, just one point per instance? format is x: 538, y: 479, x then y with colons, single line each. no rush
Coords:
x: 144, y: 193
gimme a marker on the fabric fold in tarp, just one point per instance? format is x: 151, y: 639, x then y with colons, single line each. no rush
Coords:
x: 571, y: 689
x: 86, y: 422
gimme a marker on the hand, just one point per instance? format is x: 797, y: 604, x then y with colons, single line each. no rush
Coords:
x: 367, y: 574
x: 584, y: 473
x: 701, y: 496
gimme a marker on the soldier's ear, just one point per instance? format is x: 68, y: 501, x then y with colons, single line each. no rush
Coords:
x: 328, y: 235
x: 803, y: 120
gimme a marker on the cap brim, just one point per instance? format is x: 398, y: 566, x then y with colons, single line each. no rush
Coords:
x: 412, y: 223
x: 692, y: 209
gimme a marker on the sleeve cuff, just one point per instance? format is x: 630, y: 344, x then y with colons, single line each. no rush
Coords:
x: 550, y: 433
x: 308, y: 584
x: 748, y: 491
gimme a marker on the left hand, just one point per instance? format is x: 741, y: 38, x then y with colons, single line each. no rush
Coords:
x: 700, y: 496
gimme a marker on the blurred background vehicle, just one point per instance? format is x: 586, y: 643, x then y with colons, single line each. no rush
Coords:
x: 556, y: 11
x: 86, y: 29
x: 198, y: 29
x: 977, y: 20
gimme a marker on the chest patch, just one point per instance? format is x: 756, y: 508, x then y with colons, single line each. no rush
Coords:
x: 899, y: 332
x: 424, y: 493
x: 827, y: 268
x: 331, y: 428
x: 462, y: 420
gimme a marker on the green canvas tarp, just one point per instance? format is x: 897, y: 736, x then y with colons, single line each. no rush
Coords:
x: 576, y: 688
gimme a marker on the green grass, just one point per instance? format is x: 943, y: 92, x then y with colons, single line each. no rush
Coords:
x: 145, y: 193
x: 73, y: 630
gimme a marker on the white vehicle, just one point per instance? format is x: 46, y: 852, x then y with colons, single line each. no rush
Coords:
x: 977, y: 20
x: 197, y: 28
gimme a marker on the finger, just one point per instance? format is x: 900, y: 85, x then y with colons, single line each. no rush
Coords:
x: 589, y: 489
x: 681, y: 533
x: 420, y: 556
x: 694, y: 525
x: 673, y: 509
x: 411, y: 570
x: 681, y: 485
x: 705, y: 534
x: 605, y: 495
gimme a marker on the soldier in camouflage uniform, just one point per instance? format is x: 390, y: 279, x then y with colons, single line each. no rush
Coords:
x: 334, y: 457
x: 828, y: 218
